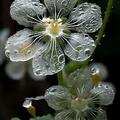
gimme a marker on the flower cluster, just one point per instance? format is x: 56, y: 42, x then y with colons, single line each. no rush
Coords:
x: 58, y: 28
x: 61, y: 30
x: 80, y: 99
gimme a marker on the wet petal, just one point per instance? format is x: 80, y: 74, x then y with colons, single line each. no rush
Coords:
x: 106, y: 93
x: 101, y: 115
x: 87, y: 17
x: 63, y: 7
x: 32, y: 75
x: 57, y: 97
x: 25, y: 11
x: 80, y: 47
x: 80, y: 81
x: 19, y: 47
x: 50, y: 61
x: 66, y: 115
x: 4, y: 35
x: 15, y: 70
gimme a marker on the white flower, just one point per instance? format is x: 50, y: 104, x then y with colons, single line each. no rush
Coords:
x: 80, y: 99
x: 53, y: 34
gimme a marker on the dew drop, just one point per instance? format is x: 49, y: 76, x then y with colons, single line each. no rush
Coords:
x: 37, y: 72
x: 29, y: 51
x: 86, y: 35
x: 7, y: 52
x: 87, y: 52
x: 106, y: 93
x: 16, y: 51
x: 64, y: 2
x: 91, y: 60
x: 61, y: 58
x: 8, y: 43
x: 79, y: 48
x: 104, y: 35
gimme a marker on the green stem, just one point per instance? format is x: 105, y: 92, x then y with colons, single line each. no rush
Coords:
x: 79, y: 1
x: 70, y: 67
x: 60, y: 78
x: 105, y: 21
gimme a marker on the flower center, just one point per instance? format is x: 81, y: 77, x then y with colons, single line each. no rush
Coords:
x: 79, y: 104
x: 51, y: 27
x: 54, y: 28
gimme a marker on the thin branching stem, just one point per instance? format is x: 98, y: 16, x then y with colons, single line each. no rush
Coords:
x: 105, y: 21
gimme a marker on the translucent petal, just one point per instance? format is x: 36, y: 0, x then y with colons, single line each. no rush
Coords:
x: 50, y: 61
x: 19, y: 47
x: 101, y: 115
x: 66, y: 115
x: 4, y: 35
x: 80, y: 80
x: 24, y: 11
x: 57, y: 97
x: 80, y: 47
x: 106, y: 93
x: 63, y: 7
x: 87, y: 16
x: 15, y: 70
x: 32, y: 75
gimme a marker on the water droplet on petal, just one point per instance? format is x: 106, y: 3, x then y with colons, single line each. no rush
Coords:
x: 87, y: 16
x: 16, y: 51
x: 87, y: 52
x: 57, y: 97
x: 61, y: 58
x: 7, y: 53
x: 24, y: 11
x: 106, y: 93
x: 64, y: 2
x: 29, y: 52
x: 64, y: 7
x: 80, y: 47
